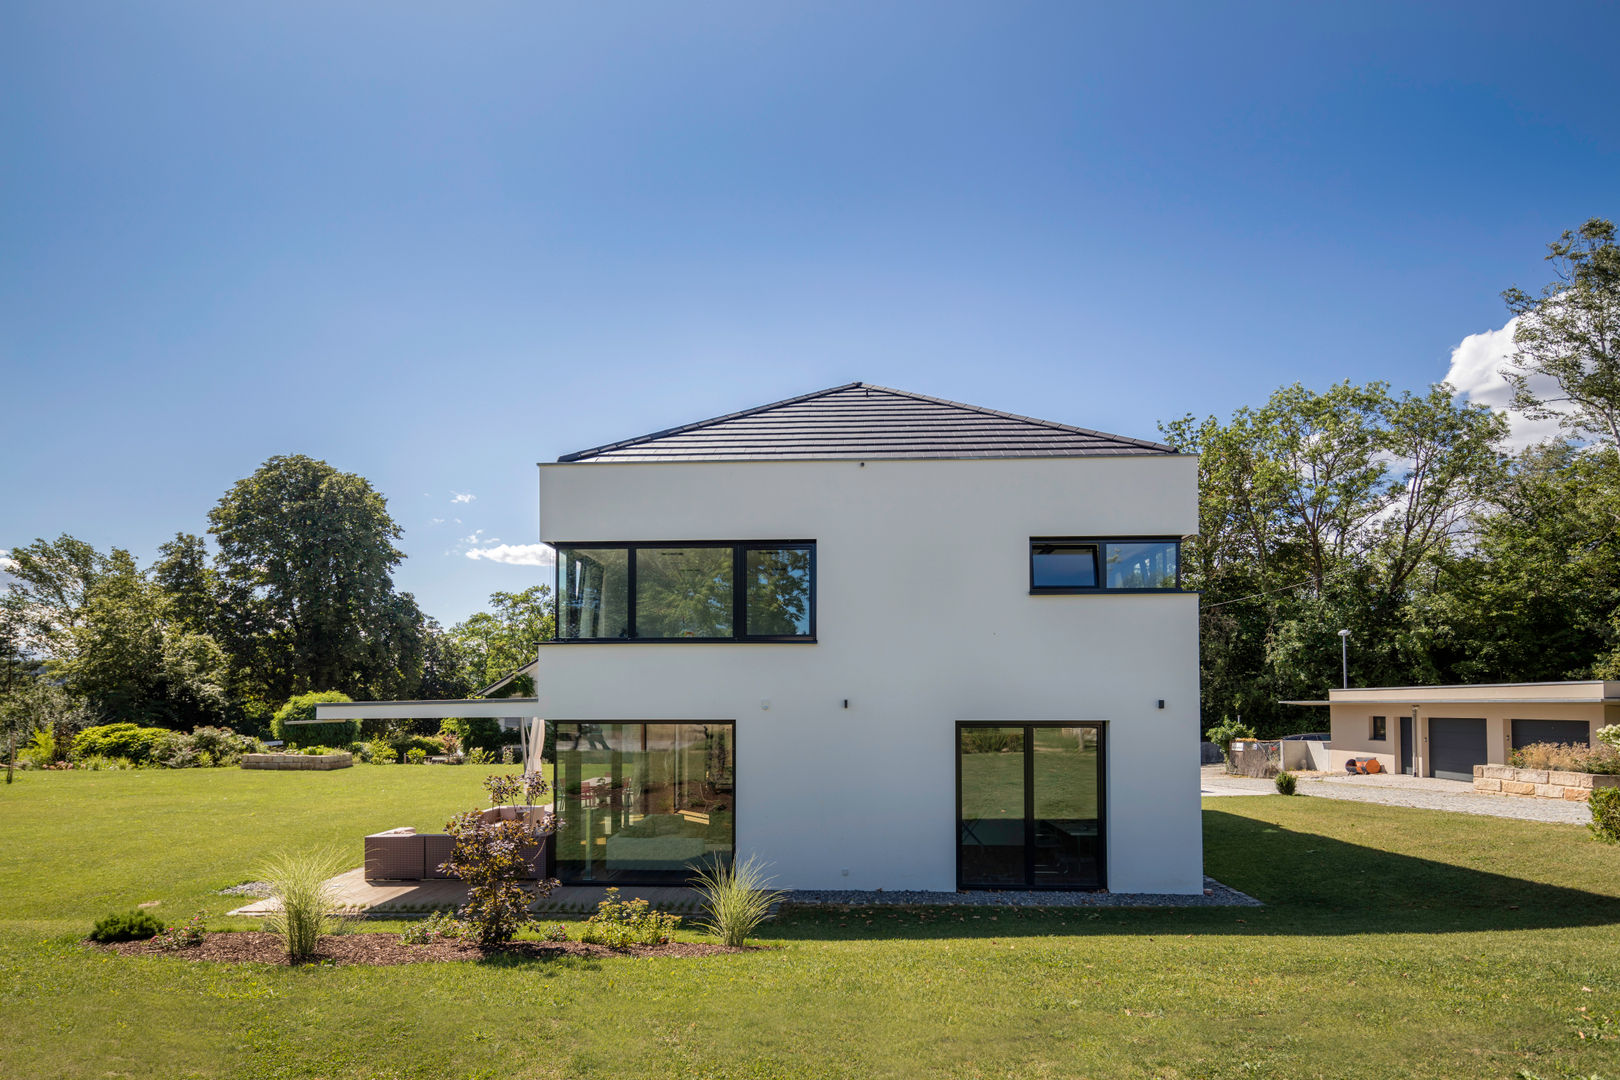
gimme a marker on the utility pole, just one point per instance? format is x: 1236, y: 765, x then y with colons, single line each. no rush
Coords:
x: 1344, y: 658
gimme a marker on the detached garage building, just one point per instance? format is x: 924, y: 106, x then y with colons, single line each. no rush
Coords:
x: 1444, y: 731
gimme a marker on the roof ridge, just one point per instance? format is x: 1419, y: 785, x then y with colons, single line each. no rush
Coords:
x: 1051, y: 425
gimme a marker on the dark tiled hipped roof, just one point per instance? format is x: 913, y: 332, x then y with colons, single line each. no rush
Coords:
x: 859, y: 420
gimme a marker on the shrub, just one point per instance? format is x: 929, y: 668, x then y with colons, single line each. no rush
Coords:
x: 735, y: 899
x: 306, y: 899
x: 1567, y: 757
x: 39, y: 752
x: 302, y: 707
x: 991, y: 740
x: 220, y: 745
x: 120, y: 741
x: 1609, y: 736
x: 619, y: 924
x: 479, y: 756
x: 1285, y: 783
x: 381, y: 752
x: 415, y: 756
x: 555, y: 932
x: 439, y: 926
x: 480, y: 731
x: 508, y: 754
x: 1223, y: 733
x: 128, y: 926
x: 492, y: 859
x: 1605, y: 804
x: 184, y: 935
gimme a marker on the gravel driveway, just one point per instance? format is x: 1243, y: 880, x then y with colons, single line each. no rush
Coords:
x: 1424, y: 793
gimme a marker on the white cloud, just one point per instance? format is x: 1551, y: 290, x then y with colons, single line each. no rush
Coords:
x: 436, y: 521
x: 7, y: 563
x: 516, y: 554
x: 459, y: 497
x: 1476, y: 372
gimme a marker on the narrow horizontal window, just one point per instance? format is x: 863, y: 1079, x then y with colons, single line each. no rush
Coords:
x: 1076, y: 564
x: 693, y: 591
x: 1059, y: 565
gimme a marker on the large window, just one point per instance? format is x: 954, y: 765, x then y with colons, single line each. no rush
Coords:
x: 644, y: 803
x: 1072, y: 565
x: 1030, y: 804
x: 696, y: 591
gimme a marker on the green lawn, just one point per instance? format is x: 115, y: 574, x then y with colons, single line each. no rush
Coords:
x: 1394, y: 943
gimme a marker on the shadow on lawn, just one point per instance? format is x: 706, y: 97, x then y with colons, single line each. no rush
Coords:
x: 1311, y: 884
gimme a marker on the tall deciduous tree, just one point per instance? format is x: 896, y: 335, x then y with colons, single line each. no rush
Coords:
x: 307, y: 598
x: 497, y: 642
x: 1570, y: 333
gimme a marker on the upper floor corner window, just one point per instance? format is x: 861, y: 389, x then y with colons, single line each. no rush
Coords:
x: 1066, y: 564
x: 696, y: 591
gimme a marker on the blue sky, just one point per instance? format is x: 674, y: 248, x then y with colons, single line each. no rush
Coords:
x: 435, y: 244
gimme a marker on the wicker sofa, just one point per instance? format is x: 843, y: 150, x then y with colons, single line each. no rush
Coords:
x: 404, y: 854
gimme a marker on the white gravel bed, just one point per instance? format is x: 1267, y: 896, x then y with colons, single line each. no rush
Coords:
x: 1215, y: 895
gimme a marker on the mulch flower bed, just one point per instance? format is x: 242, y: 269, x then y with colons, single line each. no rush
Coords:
x: 258, y: 947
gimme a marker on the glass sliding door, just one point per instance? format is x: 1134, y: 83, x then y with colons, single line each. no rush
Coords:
x: 644, y: 803
x: 990, y: 844
x: 1030, y: 800
x: 1066, y: 769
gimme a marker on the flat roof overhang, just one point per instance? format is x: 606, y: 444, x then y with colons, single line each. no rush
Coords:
x: 512, y: 708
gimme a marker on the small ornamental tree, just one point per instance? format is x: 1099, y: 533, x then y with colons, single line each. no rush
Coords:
x: 1225, y: 732
x: 492, y: 858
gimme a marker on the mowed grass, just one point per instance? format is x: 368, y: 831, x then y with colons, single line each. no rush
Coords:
x: 1394, y: 943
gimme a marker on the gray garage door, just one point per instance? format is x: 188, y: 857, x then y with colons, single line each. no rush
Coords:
x: 1455, y: 747
x: 1526, y: 732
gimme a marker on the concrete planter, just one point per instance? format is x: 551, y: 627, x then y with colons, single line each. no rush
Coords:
x: 298, y: 761
x: 1540, y: 783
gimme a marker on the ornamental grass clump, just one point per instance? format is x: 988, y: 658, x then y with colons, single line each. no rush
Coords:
x: 735, y: 899
x: 306, y: 901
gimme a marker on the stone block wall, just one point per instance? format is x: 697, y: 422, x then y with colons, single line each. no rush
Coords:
x: 1539, y: 783
x: 298, y: 761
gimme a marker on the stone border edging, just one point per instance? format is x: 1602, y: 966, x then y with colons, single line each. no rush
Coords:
x: 1540, y: 783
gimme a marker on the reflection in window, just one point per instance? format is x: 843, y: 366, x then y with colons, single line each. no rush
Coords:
x: 644, y: 803
x: 1059, y: 565
x: 1150, y: 565
x: 778, y: 591
x: 593, y: 592
x: 683, y: 592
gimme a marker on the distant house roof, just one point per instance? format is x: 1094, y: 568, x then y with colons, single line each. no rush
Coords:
x: 859, y: 420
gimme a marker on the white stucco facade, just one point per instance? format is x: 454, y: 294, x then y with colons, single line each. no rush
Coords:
x: 924, y: 618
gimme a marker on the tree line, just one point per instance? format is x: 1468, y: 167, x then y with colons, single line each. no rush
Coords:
x: 1404, y: 519
x: 298, y: 596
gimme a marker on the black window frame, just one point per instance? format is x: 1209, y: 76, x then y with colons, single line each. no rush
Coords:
x: 1029, y: 726
x: 739, y: 592
x: 1101, y: 544
x: 1378, y: 731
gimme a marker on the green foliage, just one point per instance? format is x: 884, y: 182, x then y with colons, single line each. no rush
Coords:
x: 126, y: 926
x: 1605, y: 805
x: 306, y: 593
x: 479, y: 756
x: 302, y: 707
x: 306, y: 899
x: 736, y: 900
x: 1609, y: 736
x: 556, y: 932
x: 124, y: 740
x: 416, y: 756
x: 1286, y: 782
x: 1570, y: 333
x: 382, y: 752
x: 619, y: 924
x: 492, y: 644
x: 1223, y: 733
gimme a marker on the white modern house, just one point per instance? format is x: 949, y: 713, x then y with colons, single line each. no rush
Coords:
x: 878, y: 640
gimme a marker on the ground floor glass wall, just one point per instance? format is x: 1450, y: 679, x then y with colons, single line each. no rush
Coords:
x: 1030, y: 801
x: 644, y: 803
